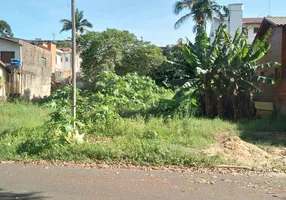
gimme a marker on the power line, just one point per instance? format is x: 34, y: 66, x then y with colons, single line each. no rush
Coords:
x: 269, y: 8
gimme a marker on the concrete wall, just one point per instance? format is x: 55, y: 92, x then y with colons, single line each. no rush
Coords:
x: 10, y: 46
x: 53, y: 49
x: 36, y: 77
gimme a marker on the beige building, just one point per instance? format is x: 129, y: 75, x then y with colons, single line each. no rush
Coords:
x: 32, y: 79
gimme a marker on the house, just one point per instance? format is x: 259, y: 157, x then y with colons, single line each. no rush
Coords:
x: 61, y: 60
x: 32, y: 79
x: 251, y: 26
x: 277, y: 53
x: 234, y: 21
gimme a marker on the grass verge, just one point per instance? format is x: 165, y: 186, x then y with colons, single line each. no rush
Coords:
x: 154, y: 142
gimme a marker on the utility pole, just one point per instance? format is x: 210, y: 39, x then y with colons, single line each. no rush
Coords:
x: 73, y: 63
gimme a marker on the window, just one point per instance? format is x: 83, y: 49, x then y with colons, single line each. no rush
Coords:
x: 43, y: 62
x: 61, y: 59
x: 6, y: 56
x: 67, y: 59
x: 256, y: 30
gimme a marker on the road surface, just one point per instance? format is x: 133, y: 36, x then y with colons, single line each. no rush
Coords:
x: 18, y: 181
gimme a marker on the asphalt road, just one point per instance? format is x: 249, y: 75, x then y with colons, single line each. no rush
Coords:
x: 19, y: 181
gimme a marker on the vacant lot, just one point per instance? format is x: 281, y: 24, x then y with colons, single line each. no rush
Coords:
x: 188, y: 142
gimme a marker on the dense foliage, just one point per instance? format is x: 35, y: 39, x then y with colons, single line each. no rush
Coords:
x: 111, y: 97
x: 225, y: 70
x: 117, y: 51
x: 5, y: 29
x: 169, y: 71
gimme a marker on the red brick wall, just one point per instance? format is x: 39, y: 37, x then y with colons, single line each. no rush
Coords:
x: 274, y: 53
x: 266, y: 95
x: 283, y: 55
x: 273, y: 93
x: 279, y: 95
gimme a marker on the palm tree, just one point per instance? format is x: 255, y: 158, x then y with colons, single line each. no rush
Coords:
x: 81, y: 23
x: 200, y: 10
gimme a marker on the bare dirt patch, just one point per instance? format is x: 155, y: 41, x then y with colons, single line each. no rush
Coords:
x: 235, y: 150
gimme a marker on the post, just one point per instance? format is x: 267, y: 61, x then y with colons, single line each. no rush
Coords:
x: 73, y: 63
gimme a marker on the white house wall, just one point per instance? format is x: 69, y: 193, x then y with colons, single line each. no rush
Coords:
x: 10, y: 46
x: 4, y: 75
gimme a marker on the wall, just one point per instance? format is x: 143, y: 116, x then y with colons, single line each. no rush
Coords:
x: 10, y: 46
x: 251, y: 34
x: 279, y: 96
x: 4, y: 75
x: 67, y: 64
x: 233, y: 22
x: 53, y: 49
x: 273, y: 93
x: 283, y: 54
x: 235, y: 18
x: 274, y: 53
x: 36, y: 78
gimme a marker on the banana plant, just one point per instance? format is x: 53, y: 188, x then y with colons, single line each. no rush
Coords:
x: 226, y: 70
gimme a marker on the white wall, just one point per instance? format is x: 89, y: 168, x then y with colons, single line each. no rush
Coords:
x: 251, y: 34
x: 235, y: 18
x: 10, y: 46
x: 59, y: 64
x: 233, y: 22
x: 4, y: 75
x: 66, y: 64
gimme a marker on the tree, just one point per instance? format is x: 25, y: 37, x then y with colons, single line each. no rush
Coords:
x: 142, y: 57
x: 168, y: 71
x: 225, y: 72
x: 117, y: 51
x: 64, y: 44
x: 5, y: 29
x: 200, y: 10
x: 81, y: 23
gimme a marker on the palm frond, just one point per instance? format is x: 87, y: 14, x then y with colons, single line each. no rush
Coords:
x: 86, y: 23
x: 182, y: 20
x: 181, y: 5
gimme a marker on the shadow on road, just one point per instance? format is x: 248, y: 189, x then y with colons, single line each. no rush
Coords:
x: 22, y: 196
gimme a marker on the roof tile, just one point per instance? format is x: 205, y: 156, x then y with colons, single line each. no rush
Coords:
x: 279, y: 21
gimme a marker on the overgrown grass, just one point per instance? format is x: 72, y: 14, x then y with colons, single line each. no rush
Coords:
x: 265, y: 131
x: 14, y: 116
x: 156, y: 141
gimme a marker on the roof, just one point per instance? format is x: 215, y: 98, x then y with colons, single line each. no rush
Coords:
x: 277, y: 21
x: 66, y: 50
x: 252, y: 20
x: 269, y: 22
x: 14, y: 40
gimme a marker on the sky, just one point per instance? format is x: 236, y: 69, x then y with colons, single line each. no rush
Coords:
x: 151, y: 19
